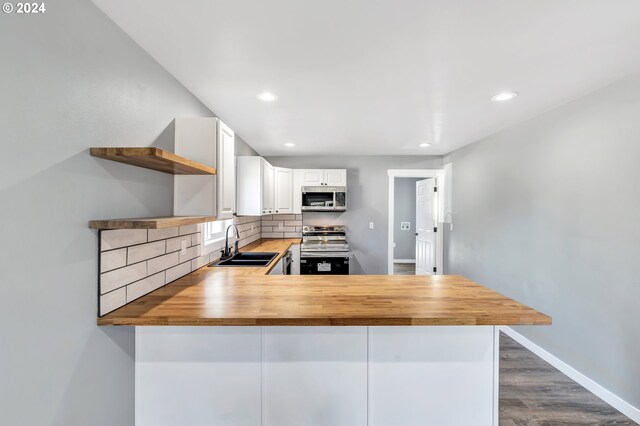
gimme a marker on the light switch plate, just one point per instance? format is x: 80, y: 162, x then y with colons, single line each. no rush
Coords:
x: 370, y: 225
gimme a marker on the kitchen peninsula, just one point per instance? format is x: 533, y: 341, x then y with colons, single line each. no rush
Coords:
x: 411, y: 350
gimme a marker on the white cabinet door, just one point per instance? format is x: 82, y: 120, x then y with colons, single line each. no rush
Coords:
x: 283, y: 190
x: 295, y: 259
x: 315, y: 376
x: 249, y: 186
x: 277, y: 270
x: 198, y: 376
x: 298, y: 176
x: 335, y: 177
x: 226, y: 172
x: 312, y: 177
x: 268, y: 182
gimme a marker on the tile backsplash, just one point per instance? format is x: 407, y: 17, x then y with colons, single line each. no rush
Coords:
x: 134, y: 262
x: 282, y: 226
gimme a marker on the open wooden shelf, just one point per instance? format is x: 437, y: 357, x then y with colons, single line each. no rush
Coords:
x: 154, y: 159
x: 149, y: 222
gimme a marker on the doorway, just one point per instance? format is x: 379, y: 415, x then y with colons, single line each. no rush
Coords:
x: 414, y: 246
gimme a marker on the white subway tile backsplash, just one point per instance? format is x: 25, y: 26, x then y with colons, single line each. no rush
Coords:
x: 177, y: 272
x: 188, y: 229
x: 142, y: 287
x: 196, y: 239
x: 267, y: 229
x: 293, y: 235
x: 199, y: 262
x: 274, y: 223
x: 284, y: 217
x: 116, y: 238
x: 123, y: 276
x: 192, y: 252
x: 163, y: 234
x: 272, y: 235
x: 142, y: 252
x: 174, y: 244
x: 113, y: 300
x: 163, y: 262
x: 293, y: 223
x: 113, y: 259
x: 298, y: 217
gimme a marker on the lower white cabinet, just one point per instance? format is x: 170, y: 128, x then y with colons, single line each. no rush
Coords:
x: 198, y: 376
x: 315, y: 376
x: 295, y: 259
x: 277, y: 270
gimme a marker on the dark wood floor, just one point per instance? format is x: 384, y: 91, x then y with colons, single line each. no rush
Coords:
x: 532, y: 392
x: 404, y: 269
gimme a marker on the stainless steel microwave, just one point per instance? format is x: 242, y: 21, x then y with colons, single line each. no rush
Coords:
x: 324, y: 198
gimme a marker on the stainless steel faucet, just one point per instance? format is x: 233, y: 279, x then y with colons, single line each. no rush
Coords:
x: 226, y: 253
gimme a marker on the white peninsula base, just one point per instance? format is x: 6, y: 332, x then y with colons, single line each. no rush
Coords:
x: 317, y: 376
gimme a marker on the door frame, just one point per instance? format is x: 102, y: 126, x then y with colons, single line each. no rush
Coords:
x: 415, y: 173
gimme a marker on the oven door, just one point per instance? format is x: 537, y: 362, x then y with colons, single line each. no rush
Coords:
x: 324, y: 264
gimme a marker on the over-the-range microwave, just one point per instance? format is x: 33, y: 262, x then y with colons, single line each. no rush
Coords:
x: 324, y: 198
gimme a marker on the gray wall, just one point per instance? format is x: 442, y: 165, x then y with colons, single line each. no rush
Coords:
x: 404, y: 210
x: 547, y: 212
x: 70, y: 79
x: 367, y: 201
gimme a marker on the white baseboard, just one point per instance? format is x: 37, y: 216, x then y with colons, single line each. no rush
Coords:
x: 404, y: 261
x: 606, y: 395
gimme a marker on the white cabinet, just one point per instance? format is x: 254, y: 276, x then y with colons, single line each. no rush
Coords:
x: 315, y: 376
x: 312, y: 177
x: 277, y: 270
x: 226, y: 172
x: 195, y: 138
x: 255, y: 186
x: 209, y: 141
x: 324, y: 177
x: 268, y: 192
x: 283, y: 190
x: 295, y: 259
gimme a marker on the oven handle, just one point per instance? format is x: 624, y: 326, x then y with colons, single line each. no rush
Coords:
x: 327, y: 254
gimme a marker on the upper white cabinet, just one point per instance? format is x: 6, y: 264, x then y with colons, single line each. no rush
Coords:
x: 268, y: 190
x: 283, y: 188
x: 255, y: 186
x: 226, y: 173
x: 324, y: 177
x: 209, y: 141
x: 195, y: 138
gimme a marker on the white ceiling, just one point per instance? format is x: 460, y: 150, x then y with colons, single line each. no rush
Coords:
x: 381, y: 77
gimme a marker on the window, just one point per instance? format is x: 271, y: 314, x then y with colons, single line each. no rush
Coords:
x: 214, y: 231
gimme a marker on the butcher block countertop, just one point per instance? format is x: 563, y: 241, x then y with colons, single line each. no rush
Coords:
x: 248, y: 296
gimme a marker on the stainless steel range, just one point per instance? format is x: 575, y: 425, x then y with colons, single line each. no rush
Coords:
x: 324, y: 250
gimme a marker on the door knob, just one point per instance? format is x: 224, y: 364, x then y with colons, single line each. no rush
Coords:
x: 416, y: 234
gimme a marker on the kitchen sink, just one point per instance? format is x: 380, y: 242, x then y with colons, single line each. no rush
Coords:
x: 248, y: 259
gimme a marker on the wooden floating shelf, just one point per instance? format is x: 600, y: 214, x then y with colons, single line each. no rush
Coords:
x: 150, y: 222
x: 154, y: 159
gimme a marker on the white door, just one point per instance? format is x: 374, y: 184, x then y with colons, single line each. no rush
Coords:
x: 226, y: 172
x: 335, y: 177
x: 425, y: 227
x: 312, y: 177
x: 283, y: 190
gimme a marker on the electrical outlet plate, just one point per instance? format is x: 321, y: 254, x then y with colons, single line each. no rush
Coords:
x: 183, y: 247
x: 280, y: 226
x: 370, y: 225
x: 405, y: 226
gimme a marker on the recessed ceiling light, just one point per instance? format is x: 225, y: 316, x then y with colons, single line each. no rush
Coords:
x: 266, y: 96
x: 504, y: 96
x: 424, y: 145
x: 289, y: 144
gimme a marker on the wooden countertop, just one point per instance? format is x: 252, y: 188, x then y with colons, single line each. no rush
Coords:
x: 246, y: 296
